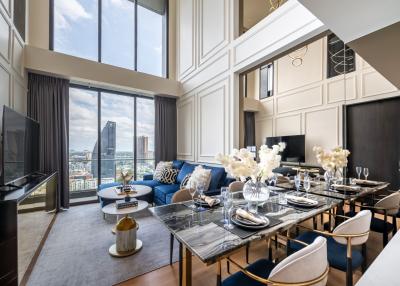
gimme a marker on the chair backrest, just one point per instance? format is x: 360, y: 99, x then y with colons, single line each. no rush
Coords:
x: 236, y: 186
x: 391, y: 203
x: 181, y: 196
x: 356, y: 225
x: 307, y: 264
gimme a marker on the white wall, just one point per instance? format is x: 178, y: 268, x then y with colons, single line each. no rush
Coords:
x: 209, y: 59
x: 306, y: 102
x: 12, y: 73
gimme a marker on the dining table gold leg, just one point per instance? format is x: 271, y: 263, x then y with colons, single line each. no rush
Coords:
x: 186, y: 267
x: 219, y: 273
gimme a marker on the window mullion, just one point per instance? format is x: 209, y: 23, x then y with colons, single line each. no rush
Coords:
x: 99, y: 36
x: 135, y: 31
x: 135, y: 137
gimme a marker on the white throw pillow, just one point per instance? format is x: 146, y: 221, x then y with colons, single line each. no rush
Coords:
x: 201, y: 176
x: 161, y: 166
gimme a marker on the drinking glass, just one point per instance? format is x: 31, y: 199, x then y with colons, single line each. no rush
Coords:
x: 192, y: 192
x: 297, y: 182
x: 307, y: 184
x: 228, y: 206
x: 366, y: 173
x: 200, y: 190
x: 282, y: 199
x: 359, y: 170
x: 224, y: 194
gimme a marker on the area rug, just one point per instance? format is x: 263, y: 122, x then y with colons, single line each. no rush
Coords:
x: 76, y: 250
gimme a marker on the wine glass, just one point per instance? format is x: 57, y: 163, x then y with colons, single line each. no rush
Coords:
x: 192, y: 192
x: 366, y: 173
x: 307, y: 184
x: 359, y: 170
x: 200, y: 190
x: 228, y: 206
x: 297, y: 182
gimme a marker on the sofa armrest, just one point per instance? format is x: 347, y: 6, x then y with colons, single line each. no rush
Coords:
x: 147, y: 177
x: 227, y: 181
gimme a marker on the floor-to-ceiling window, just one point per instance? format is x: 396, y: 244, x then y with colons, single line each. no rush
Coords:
x: 125, y: 33
x: 102, y: 132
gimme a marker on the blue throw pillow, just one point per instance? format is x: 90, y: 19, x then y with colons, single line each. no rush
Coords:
x: 186, y: 169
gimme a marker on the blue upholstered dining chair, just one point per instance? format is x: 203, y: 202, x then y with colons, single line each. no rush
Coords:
x: 387, y: 206
x: 308, y: 266
x: 342, y: 254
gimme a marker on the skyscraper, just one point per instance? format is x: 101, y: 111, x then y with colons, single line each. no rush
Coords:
x: 142, y: 147
x: 107, y: 152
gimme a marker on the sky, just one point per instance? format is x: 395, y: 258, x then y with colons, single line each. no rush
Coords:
x: 76, y: 33
x: 117, y: 108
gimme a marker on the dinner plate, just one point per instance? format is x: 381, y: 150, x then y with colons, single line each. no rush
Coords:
x: 302, y: 204
x: 201, y: 203
x: 239, y: 222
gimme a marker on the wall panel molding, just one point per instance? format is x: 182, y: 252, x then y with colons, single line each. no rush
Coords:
x: 213, y: 28
x: 5, y: 37
x: 186, y: 128
x: 308, y: 98
x: 373, y: 83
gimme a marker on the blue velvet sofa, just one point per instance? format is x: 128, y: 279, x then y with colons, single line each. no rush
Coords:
x: 162, y: 193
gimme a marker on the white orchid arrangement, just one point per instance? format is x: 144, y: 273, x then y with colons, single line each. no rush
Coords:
x: 241, y: 164
x: 331, y: 160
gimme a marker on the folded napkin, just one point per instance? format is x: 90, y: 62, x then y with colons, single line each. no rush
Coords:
x: 251, y: 217
x: 209, y: 200
x: 345, y: 187
x: 302, y: 200
x: 366, y: 182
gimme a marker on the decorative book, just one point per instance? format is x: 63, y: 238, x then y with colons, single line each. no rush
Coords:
x: 121, y: 204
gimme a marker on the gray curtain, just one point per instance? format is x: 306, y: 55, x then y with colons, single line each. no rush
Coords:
x: 249, y: 129
x: 165, y: 128
x: 48, y: 104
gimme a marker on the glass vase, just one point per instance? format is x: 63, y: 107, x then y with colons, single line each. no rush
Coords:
x: 255, y: 193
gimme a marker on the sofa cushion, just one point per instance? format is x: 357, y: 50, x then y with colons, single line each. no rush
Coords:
x: 177, y: 164
x: 217, y: 174
x: 161, y: 166
x: 186, y: 169
x: 168, y: 198
x: 185, y: 180
x: 160, y: 192
x: 168, y: 176
x: 149, y: 183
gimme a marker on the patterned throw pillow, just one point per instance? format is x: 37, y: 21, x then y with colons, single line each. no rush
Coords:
x: 169, y: 176
x: 185, y: 181
x: 200, y: 176
x: 160, y: 168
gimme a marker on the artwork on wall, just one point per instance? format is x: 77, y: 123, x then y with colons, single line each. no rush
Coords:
x: 266, y: 81
x: 298, y: 55
x: 341, y: 59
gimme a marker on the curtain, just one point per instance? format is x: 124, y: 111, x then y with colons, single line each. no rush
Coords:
x: 165, y: 128
x: 249, y: 129
x: 48, y: 104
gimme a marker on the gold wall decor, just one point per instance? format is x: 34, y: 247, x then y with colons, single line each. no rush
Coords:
x: 275, y: 4
x: 298, y: 55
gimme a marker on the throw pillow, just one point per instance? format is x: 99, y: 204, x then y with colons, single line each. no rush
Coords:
x: 168, y: 176
x: 185, y: 181
x: 160, y: 168
x: 200, y: 176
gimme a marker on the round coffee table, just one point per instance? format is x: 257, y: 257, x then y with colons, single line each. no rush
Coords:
x: 111, y: 194
x: 112, y: 210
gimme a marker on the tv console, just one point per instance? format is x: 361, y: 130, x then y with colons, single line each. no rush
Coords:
x: 32, y: 204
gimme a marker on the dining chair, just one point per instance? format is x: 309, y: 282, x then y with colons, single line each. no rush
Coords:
x: 341, y: 241
x: 236, y: 186
x: 180, y: 196
x: 308, y: 266
x: 388, y: 207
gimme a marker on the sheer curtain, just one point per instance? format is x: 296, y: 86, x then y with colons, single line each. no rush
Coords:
x: 48, y: 104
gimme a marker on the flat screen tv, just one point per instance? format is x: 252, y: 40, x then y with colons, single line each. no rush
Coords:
x: 20, y: 142
x: 295, y: 147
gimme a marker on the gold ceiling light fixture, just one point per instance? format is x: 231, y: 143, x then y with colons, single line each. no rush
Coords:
x: 275, y: 4
x: 298, y: 55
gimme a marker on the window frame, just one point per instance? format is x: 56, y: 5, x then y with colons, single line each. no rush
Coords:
x: 99, y: 90
x: 270, y: 89
x: 165, y: 52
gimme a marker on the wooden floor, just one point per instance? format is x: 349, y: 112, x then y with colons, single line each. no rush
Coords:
x: 205, y: 275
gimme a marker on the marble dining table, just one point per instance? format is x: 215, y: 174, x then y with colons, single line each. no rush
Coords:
x: 202, y: 234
